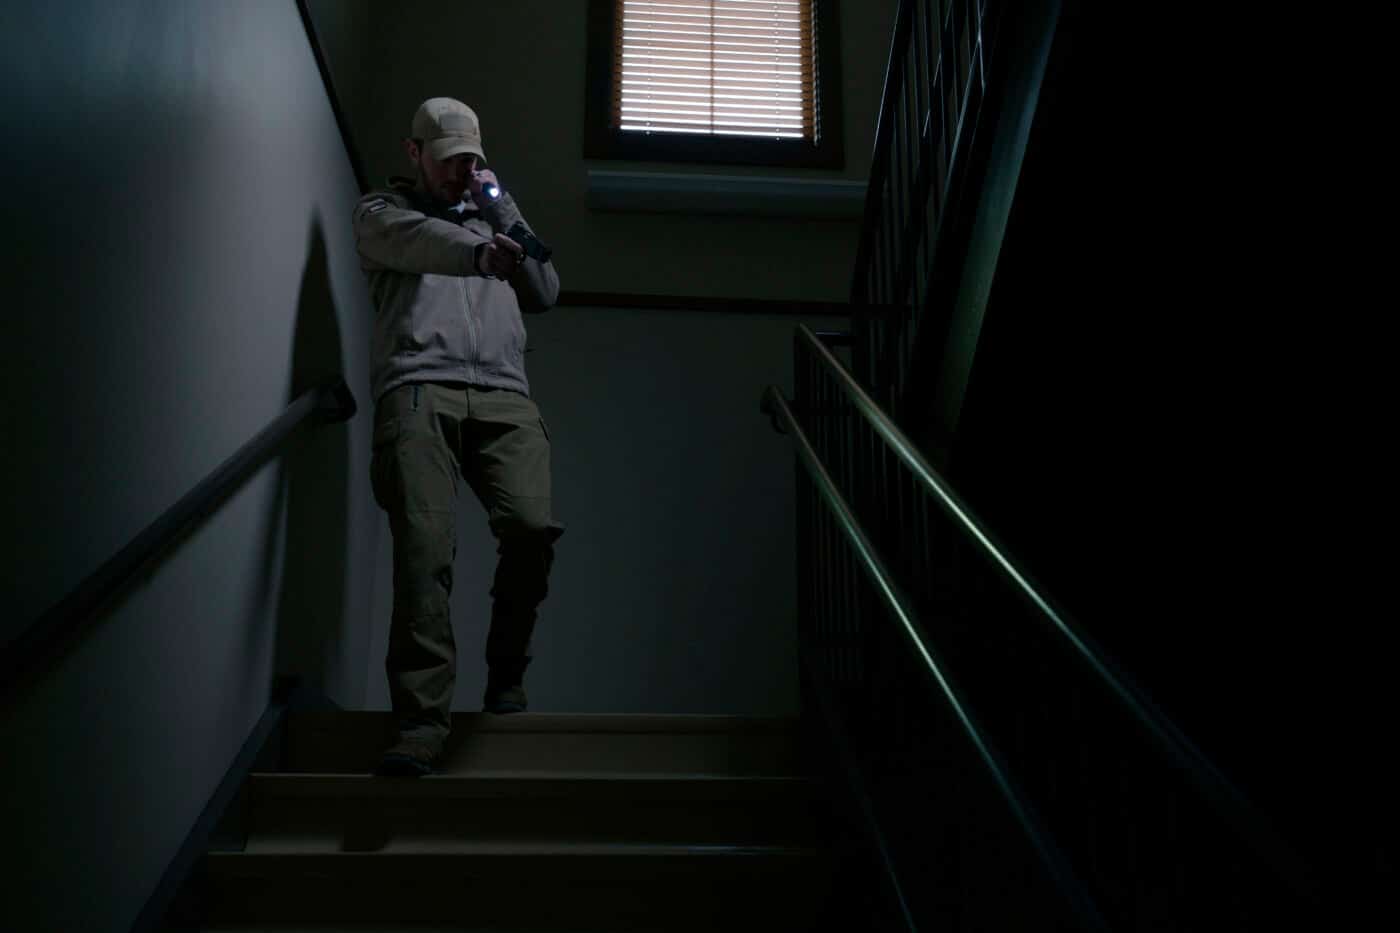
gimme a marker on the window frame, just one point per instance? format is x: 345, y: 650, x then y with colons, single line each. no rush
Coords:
x: 603, y: 141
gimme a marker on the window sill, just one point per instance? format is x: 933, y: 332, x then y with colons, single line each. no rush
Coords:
x: 746, y: 195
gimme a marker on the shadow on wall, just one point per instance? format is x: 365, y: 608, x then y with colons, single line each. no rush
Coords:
x: 313, y: 489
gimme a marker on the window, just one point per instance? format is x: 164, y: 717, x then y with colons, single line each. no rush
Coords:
x: 738, y: 81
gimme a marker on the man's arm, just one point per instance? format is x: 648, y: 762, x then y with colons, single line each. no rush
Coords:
x: 391, y: 235
x: 536, y: 283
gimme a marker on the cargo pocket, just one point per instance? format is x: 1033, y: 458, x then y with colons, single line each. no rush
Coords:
x: 383, y: 463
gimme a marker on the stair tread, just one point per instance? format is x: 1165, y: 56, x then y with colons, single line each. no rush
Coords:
x: 667, y: 723
x: 338, y: 742
x: 310, y: 849
x: 518, y: 782
x: 364, y: 813
x: 517, y: 887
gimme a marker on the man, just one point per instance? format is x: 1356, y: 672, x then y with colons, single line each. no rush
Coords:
x: 451, y: 397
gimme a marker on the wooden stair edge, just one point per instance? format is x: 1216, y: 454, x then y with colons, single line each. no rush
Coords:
x: 496, y: 853
x: 641, y: 723
x: 354, y: 783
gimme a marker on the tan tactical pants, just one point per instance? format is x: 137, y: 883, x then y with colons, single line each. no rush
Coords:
x: 425, y: 434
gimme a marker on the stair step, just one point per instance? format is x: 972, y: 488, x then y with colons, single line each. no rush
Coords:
x: 523, y: 887
x: 571, y: 784
x: 359, y: 813
x: 350, y: 742
x: 533, y: 823
x: 503, y: 859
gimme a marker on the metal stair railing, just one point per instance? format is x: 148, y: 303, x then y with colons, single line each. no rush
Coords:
x: 965, y: 706
x: 934, y: 92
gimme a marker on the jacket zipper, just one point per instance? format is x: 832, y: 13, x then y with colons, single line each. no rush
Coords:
x: 472, y: 349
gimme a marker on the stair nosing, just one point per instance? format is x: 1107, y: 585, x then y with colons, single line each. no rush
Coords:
x: 582, y: 723
x: 563, y: 850
x: 300, y: 785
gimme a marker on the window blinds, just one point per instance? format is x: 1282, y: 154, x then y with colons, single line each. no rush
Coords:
x: 715, y: 67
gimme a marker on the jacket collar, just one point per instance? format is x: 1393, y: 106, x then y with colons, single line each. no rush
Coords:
x: 408, y: 187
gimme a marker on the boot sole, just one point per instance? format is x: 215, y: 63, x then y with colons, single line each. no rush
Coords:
x: 403, y: 766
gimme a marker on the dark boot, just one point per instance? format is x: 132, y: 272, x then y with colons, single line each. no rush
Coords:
x: 505, y: 690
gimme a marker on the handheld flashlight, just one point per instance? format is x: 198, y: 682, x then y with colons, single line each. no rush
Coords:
x: 491, y: 190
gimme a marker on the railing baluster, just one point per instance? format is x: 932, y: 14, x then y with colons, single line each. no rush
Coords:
x: 1080, y: 746
x: 920, y: 52
x: 934, y: 86
x: 1118, y: 815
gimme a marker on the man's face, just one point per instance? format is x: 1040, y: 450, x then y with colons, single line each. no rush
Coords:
x: 445, y: 181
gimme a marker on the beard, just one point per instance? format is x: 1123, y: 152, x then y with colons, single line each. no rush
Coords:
x: 443, y: 193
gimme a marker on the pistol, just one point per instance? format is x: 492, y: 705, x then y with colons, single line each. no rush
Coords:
x: 533, y: 247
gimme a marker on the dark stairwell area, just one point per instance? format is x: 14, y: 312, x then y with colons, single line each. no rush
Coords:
x: 1027, y: 616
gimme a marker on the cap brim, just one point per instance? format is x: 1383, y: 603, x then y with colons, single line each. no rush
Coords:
x: 449, y: 146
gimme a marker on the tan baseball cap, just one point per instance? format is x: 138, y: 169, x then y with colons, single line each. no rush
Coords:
x: 447, y: 127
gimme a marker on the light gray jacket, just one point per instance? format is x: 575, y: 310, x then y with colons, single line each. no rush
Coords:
x: 438, y: 319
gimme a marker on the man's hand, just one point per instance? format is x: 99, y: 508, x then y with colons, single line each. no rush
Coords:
x: 476, y: 181
x: 501, y: 257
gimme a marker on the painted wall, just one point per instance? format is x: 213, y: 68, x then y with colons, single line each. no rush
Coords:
x: 177, y: 270
x: 674, y: 587
x: 181, y: 268
x: 673, y: 590
x: 521, y: 66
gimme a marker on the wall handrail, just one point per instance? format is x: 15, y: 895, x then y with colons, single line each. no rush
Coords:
x: 34, y: 651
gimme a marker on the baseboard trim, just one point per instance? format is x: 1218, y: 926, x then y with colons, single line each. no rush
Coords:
x: 287, y: 693
x: 702, y: 303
